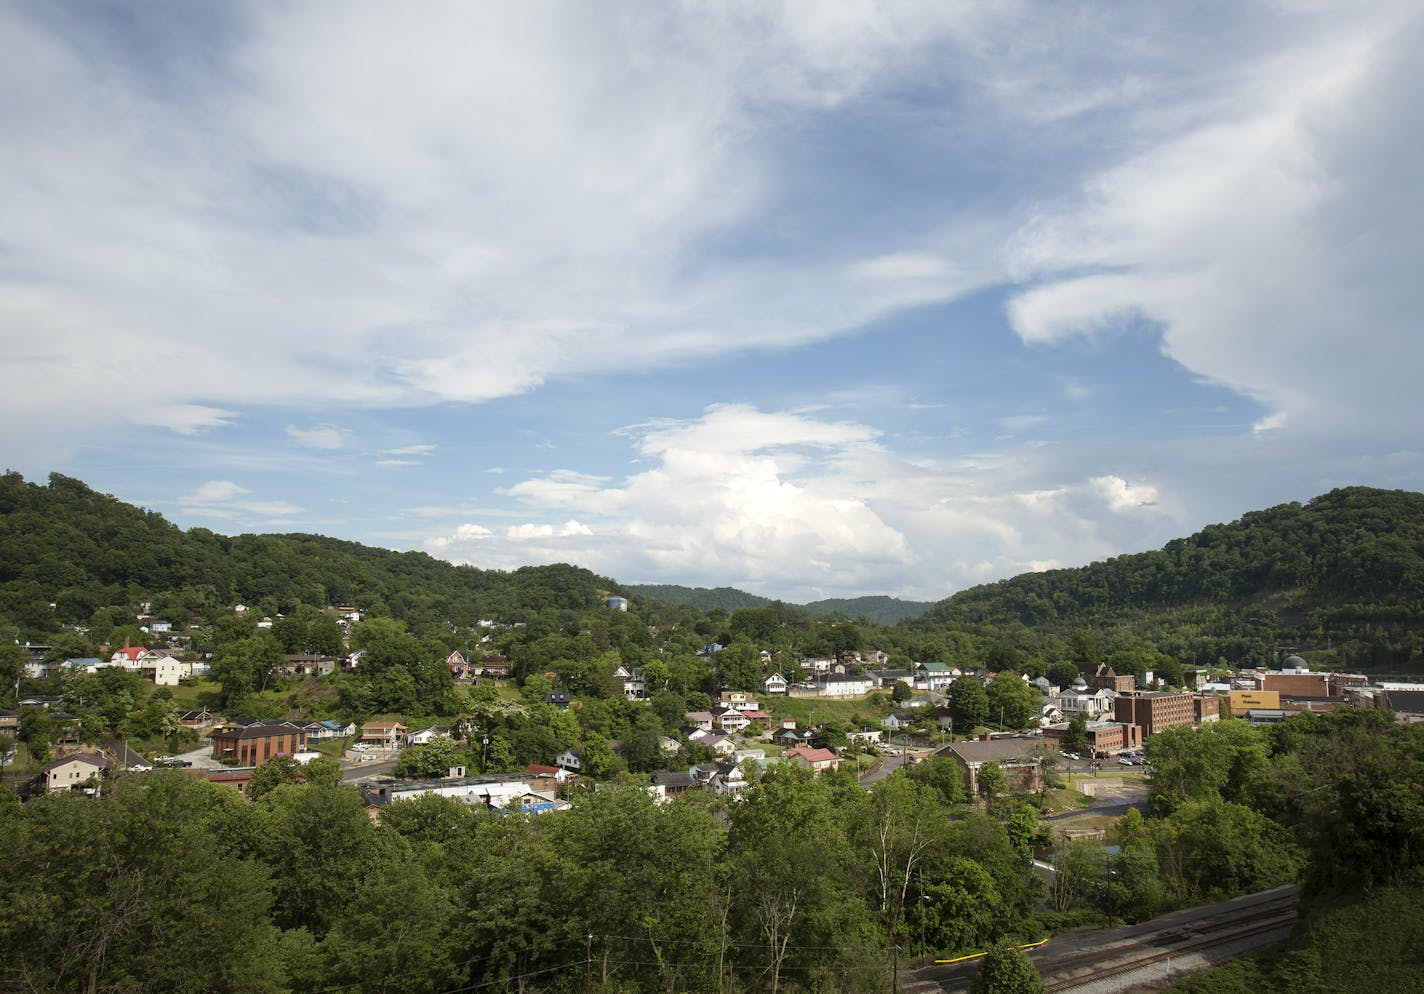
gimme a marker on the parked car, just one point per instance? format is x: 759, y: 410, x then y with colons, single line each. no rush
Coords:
x: 1124, y: 761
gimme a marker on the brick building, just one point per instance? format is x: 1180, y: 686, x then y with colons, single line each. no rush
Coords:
x: 1105, y: 738
x: 1155, y: 712
x: 1206, y: 708
x: 254, y: 743
x: 1018, y: 758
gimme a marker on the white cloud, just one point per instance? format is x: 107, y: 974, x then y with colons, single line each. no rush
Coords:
x: 1122, y: 496
x: 319, y: 436
x: 1265, y: 237
x: 421, y: 449
x: 798, y: 506
x: 216, y: 491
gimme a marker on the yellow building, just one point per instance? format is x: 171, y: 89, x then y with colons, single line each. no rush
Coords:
x: 1241, y: 700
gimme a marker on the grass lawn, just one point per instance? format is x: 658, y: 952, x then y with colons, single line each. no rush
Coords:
x: 336, y: 748
x: 815, y: 710
x: 201, y: 693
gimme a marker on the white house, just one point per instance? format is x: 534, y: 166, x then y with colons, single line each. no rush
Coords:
x: 425, y: 735
x: 775, y: 684
x: 844, y: 685
x: 74, y: 772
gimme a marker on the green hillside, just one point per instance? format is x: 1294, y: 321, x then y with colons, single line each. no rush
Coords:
x: 1343, y: 574
x: 702, y: 598
x: 86, y: 553
x: 881, y: 609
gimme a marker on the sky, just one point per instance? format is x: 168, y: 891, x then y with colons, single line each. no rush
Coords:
x: 811, y: 299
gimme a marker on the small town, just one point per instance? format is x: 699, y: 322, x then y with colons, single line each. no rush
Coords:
x: 853, y: 497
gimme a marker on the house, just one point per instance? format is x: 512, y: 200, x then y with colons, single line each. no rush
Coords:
x: 253, y: 743
x: 739, y: 699
x: 571, y: 760
x: 775, y: 684
x: 165, y: 671
x: 730, y: 720
x: 635, y: 687
x: 128, y: 656
x: 845, y: 685
x: 306, y: 664
x: 757, y: 717
x: 495, y: 667
x: 458, y: 665
x: 77, y: 772
x: 816, y: 760
x: 383, y: 734
x: 561, y: 699
x: 538, y: 771
x: 729, y: 780
x: 792, y: 736
x: 720, y: 744
x: 667, y: 784
x: 886, y: 679
x: 424, y: 736
x: 9, y: 721
x: 201, y: 718
x: 865, y: 736
x: 900, y: 719
x: 329, y: 729
x: 935, y: 676
x: 699, y: 719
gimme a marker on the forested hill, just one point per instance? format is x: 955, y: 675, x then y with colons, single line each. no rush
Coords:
x: 879, y: 609
x: 1345, y: 567
x: 885, y: 610
x: 702, y: 598
x: 82, y: 551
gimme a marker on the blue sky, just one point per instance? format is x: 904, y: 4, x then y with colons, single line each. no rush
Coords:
x: 809, y: 299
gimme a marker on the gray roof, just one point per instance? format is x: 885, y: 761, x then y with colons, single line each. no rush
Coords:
x: 1410, y: 701
x: 996, y: 751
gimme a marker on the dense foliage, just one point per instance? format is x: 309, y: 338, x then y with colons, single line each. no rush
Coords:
x: 94, y: 557
x: 1344, y: 572
x: 164, y: 882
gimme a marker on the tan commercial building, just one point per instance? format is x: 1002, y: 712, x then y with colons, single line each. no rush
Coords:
x: 1241, y: 701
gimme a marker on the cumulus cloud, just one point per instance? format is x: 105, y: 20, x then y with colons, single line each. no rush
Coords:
x: 798, y: 505
x: 215, y: 491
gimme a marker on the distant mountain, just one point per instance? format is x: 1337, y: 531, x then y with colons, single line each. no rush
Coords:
x: 884, y: 610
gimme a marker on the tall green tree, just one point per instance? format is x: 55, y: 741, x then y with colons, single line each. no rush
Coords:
x: 1006, y: 970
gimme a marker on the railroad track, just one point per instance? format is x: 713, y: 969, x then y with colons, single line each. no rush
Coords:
x: 1095, y: 966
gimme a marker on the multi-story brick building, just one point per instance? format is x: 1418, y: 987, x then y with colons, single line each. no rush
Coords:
x: 1206, y: 708
x: 253, y: 743
x: 1155, y: 712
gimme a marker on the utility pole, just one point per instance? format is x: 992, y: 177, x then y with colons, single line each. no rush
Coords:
x: 588, y: 964
x: 895, y: 972
x: 923, y: 908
